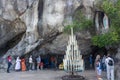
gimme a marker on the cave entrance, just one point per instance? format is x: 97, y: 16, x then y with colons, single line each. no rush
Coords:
x: 95, y: 50
x: 52, y: 61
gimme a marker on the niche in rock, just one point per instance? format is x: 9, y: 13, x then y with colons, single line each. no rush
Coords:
x: 101, y: 22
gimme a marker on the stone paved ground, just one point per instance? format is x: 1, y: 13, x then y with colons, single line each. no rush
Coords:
x: 44, y: 75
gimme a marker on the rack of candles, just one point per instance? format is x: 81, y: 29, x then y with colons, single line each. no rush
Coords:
x: 73, y: 61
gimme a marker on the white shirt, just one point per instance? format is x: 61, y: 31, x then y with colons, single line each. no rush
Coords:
x: 30, y: 60
x: 107, y: 60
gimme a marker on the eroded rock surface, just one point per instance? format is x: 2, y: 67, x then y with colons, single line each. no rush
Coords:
x: 42, y: 23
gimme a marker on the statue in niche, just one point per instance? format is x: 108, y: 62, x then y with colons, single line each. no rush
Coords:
x: 101, y: 22
x: 105, y: 22
x: 105, y: 25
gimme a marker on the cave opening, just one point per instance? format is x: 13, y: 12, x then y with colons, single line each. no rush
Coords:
x: 49, y: 60
x: 95, y: 50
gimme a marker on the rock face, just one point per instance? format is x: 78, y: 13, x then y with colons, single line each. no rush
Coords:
x: 118, y: 53
x: 42, y: 22
x: 39, y: 25
x: 30, y: 40
x: 23, y: 18
x: 117, y: 67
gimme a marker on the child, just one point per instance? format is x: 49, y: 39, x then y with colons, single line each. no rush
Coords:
x: 41, y: 65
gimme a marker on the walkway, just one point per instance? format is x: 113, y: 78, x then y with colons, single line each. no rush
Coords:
x: 43, y: 75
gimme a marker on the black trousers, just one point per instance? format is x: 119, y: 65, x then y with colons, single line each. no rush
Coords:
x: 8, y: 68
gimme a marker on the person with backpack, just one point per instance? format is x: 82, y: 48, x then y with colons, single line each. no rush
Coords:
x: 110, y: 67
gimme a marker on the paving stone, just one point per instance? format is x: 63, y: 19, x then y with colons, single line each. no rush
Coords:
x: 45, y: 75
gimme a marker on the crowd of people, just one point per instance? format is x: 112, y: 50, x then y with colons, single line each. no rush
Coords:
x: 105, y: 63
x: 101, y: 63
x: 22, y: 65
x: 32, y: 63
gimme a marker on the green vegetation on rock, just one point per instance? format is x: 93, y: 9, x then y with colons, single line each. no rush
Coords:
x: 112, y: 9
x: 80, y: 22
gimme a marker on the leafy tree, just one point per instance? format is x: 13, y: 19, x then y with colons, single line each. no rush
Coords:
x: 80, y: 22
x: 106, y: 39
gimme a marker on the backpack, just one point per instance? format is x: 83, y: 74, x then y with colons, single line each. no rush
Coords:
x: 110, y: 62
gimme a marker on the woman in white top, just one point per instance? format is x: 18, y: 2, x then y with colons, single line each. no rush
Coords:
x: 98, y: 67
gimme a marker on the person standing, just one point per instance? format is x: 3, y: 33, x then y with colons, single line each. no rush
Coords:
x: 103, y: 63
x: 110, y: 67
x: 18, y: 65
x: 41, y: 65
x: 38, y: 59
x: 30, y: 62
x: 9, y: 60
x: 98, y: 67
x: 91, y: 61
x: 23, y: 66
x: 52, y: 62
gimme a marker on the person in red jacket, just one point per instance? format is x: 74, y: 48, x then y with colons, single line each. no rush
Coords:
x: 9, y: 60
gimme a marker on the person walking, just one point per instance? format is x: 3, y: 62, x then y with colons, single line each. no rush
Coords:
x: 110, y: 67
x: 30, y: 62
x: 18, y: 65
x: 9, y: 60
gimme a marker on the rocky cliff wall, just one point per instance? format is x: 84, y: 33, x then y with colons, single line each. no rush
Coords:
x: 38, y: 19
x: 41, y: 24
